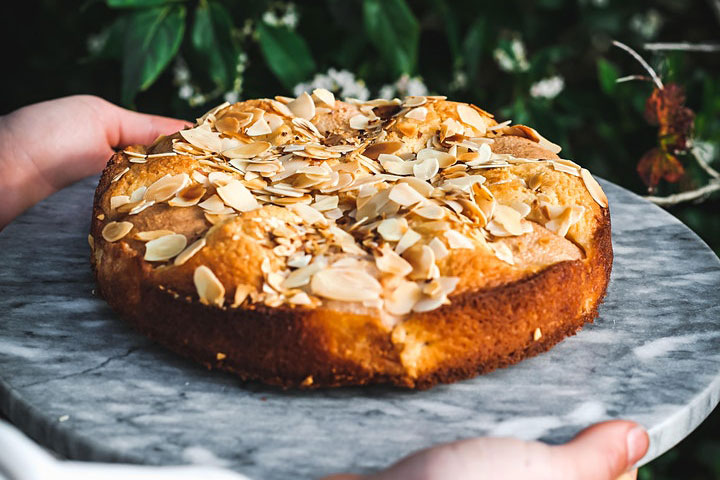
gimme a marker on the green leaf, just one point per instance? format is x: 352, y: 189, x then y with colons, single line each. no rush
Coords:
x: 152, y: 39
x: 473, y: 45
x: 138, y: 3
x: 286, y: 53
x: 607, y: 76
x: 451, y: 29
x: 214, y: 44
x: 112, y: 39
x: 395, y: 32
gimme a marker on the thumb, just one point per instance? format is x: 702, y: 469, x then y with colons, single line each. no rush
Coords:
x: 603, y: 451
x: 131, y: 128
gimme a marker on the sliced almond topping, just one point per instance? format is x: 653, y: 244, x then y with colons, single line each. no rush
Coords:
x: 202, y: 138
x: 227, y: 125
x: 422, y: 187
x: 191, y: 250
x: 308, y: 214
x: 119, y: 201
x: 560, y: 224
x: 470, y: 116
x: 242, y: 292
x: 300, y: 298
x: 212, y: 204
x: 444, y: 159
x: 414, y: 101
x: 403, y: 298
x: 565, y: 168
x: 248, y: 150
x: 345, y: 284
x: 502, y: 251
x: 260, y: 127
x: 359, y: 122
x: 374, y: 150
x: 325, y: 96
x: 427, y: 304
x: 235, y: 195
x: 509, y: 218
x: 392, y: 229
x: 438, y: 248
x: 188, y: 196
x: 166, y: 187
x: 458, y: 240
x: 395, y: 165
x: 152, y: 234
x: 209, y: 288
x: 426, y: 169
x: 114, y: 231
x: 301, y: 276
x: 431, y: 211
x: 422, y: 259
x: 596, y: 191
x: 419, y: 113
x: 392, y: 263
x: 165, y: 247
x: 537, y: 335
x: 120, y: 175
x: 303, y: 106
x: 403, y: 194
x: 409, y: 238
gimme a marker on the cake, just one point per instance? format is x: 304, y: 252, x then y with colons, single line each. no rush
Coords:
x: 311, y: 242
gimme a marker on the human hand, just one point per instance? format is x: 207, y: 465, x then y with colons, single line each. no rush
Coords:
x: 605, y: 451
x: 49, y: 145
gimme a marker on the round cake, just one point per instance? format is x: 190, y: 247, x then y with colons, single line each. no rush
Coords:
x: 310, y: 242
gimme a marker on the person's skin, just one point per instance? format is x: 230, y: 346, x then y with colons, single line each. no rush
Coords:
x: 49, y: 145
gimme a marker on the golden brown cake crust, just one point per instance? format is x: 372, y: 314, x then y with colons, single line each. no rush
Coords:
x: 498, y: 314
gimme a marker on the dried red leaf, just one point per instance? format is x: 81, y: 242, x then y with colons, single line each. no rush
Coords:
x: 657, y: 164
x: 666, y: 108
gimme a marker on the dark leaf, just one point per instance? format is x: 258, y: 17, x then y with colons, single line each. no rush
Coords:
x: 393, y: 29
x: 213, y: 42
x: 666, y: 108
x: 451, y: 29
x: 607, y: 76
x: 139, y: 3
x: 473, y: 46
x: 658, y: 164
x: 286, y: 53
x: 113, y: 39
x: 152, y: 39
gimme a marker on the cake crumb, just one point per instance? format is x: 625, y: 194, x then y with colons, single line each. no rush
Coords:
x: 221, y: 356
x: 537, y: 335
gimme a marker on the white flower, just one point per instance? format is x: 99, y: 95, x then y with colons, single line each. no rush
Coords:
x: 646, y: 24
x: 405, y: 85
x: 231, y: 96
x: 341, y: 82
x: 547, y: 87
x: 512, y: 59
x: 95, y: 43
x: 459, y: 80
x: 185, y: 91
x: 387, y: 91
x: 287, y: 16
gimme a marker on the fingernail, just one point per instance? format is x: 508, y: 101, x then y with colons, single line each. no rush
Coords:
x: 637, y: 444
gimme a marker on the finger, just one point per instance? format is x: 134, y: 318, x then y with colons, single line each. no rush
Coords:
x: 139, y: 128
x: 628, y: 476
x: 604, y: 451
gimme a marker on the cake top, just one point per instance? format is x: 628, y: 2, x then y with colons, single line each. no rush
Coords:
x: 381, y: 205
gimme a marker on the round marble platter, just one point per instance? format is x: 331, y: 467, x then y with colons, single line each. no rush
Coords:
x: 78, y: 380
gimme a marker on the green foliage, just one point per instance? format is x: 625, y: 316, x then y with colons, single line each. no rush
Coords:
x: 607, y: 76
x: 286, y: 54
x: 152, y: 38
x: 213, y: 43
x: 392, y: 28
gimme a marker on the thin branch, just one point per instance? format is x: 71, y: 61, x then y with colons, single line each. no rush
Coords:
x: 642, y: 61
x: 683, y: 47
x: 703, y: 191
x: 703, y: 164
x: 630, y: 78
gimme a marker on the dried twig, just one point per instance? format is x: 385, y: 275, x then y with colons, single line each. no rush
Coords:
x: 646, y: 66
x: 683, y: 47
x: 703, y: 164
x: 629, y: 78
x: 682, y: 197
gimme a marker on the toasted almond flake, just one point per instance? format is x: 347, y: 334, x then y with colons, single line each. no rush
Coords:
x: 562, y: 223
x: 134, y: 154
x: 593, y: 187
x: 444, y: 159
x: 281, y: 108
x: 422, y: 187
x: 458, y: 240
x: 502, y: 251
x: 428, y: 304
x: 248, y: 150
x: 438, y: 248
x: 118, y: 201
x: 202, y: 138
x: 242, y: 292
x: 325, y: 96
x: 419, y: 113
x: 431, y: 211
x: 402, y: 299
x: 392, y: 229
x: 463, y: 183
x: 392, y: 263
x: 301, y: 276
x: 210, y: 290
x: 303, y: 106
x: 326, y: 203
x: 308, y: 214
x: 537, y: 335
x: 521, y: 207
x: 91, y: 241
x: 345, y: 284
x: 152, y: 234
x: 212, y: 204
x: 547, y: 144
x: 114, y: 231
x: 560, y: 167
x: 166, y: 187
x: 378, y: 148
x: 414, y: 101
x: 165, y: 247
x: 235, y: 195
x: 300, y: 298
x: 307, y: 125
x: 359, y: 122
x: 219, y: 179
x: 395, y: 165
x: 409, y: 238
x: 472, y: 117
x: 188, y: 196
x: 403, y: 194
x: 422, y: 259
x: 139, y: 159
x: 191, y: 250
x: 120, y: 175
x: 510, y: 219
x: 141, y: 206
x: 426, y: 169
x: 260, y: 127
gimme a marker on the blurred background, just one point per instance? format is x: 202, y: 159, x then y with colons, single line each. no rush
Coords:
x: 546, y: 63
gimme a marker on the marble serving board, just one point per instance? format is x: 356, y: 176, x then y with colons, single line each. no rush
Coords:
x: 79, y: 381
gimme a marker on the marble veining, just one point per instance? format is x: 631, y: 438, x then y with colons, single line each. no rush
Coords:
x: 78, y: 380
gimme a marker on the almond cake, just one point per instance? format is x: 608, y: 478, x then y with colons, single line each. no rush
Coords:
x: 312, y: 242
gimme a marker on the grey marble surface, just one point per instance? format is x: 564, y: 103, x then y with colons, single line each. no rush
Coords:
x: 76, y: 379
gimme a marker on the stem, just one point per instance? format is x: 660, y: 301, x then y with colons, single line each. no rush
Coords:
x: 642, y: 61
x: 684, y: 47
x: 629, y: 78
x: 677, y: 198
x: 704, y: 165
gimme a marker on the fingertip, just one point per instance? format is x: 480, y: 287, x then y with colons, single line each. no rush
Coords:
x: 638, y: 442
